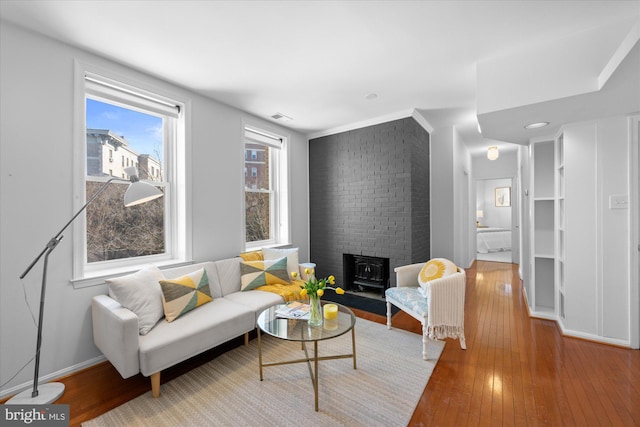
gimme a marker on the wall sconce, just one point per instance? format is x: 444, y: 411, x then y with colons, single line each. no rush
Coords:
x: 492, y: 153
x: 479, y: 214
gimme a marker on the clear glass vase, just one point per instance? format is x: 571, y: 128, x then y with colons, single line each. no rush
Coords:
x: 315, y: 311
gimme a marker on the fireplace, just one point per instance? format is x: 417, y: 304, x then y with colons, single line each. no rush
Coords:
x: 365, y: 273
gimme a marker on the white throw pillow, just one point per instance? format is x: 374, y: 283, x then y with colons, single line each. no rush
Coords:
x: 141, y: 293
x: 290, y: 253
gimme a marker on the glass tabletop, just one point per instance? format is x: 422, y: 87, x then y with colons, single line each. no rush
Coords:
x: 299, y: 330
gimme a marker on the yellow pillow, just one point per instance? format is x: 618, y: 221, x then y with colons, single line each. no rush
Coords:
x: 252, y: 256
x: 185, y: 293
x: 254, y: 274
x: 435, y: 269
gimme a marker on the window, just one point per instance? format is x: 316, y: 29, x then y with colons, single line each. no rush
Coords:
x: 266, y: 200
x: 143, y: 129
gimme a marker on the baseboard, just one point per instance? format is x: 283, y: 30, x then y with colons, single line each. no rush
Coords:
x: 570, y: 333
x: 52, y: 376
x: 593, y: 338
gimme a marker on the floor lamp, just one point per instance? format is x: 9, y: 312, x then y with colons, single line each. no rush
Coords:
x: 137, y: 193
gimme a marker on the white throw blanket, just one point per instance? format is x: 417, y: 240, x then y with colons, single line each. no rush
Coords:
x: 446, y: 307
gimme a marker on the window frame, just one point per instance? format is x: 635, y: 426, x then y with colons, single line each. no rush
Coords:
x: 280, y: 213
x: 176, y: 210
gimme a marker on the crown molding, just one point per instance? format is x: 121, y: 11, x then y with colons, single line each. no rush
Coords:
x: 375, y: 121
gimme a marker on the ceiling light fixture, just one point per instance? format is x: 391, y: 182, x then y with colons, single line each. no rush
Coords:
x: 492, y: 153
x: 371, y: 96
x: 536, y: 125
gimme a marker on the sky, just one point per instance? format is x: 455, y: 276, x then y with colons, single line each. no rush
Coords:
x: 142, y: 131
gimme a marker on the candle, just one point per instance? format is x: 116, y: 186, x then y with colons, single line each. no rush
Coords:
x: 330, y: 311
x: 330, y: 324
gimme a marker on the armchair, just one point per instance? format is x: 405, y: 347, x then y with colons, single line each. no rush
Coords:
x: 441, y: 313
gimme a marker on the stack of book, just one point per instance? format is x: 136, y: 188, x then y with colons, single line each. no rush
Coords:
x: 294, y: 310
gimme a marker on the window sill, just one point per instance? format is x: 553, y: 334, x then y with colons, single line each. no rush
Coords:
x: 98, y: 278
x: 257, y: 247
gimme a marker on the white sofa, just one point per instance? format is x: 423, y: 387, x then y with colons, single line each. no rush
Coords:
x: 232, y: 313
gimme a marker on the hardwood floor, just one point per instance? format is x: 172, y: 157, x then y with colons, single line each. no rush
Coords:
x: 516, y: 370
x: 521, y: 371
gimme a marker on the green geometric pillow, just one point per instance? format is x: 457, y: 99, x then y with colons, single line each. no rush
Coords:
x: 254, y: 274
x: 185, y: 293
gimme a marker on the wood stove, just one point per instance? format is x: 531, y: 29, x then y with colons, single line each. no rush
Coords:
x: 362, y: 273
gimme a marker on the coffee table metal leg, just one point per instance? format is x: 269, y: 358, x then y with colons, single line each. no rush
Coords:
x: 315, y: 363
x: 353, y: 346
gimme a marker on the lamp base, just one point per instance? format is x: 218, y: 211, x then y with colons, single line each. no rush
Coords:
x: 47, y: 393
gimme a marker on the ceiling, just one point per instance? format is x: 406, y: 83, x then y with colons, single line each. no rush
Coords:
x: 321, y: 62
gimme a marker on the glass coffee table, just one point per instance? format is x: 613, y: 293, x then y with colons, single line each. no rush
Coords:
x: 299, y: 330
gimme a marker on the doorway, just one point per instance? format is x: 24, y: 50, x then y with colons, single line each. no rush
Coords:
x: 497, y: 228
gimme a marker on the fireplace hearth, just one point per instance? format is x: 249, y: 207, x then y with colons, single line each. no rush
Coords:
x: 365, y: 273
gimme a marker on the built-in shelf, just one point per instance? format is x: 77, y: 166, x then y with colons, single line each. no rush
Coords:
x: 543, y: 227
x: 560, y: 224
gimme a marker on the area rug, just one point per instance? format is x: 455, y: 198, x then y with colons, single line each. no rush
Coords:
x: 383, y: 391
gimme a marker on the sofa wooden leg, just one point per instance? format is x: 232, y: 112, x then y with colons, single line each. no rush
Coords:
x: 388, y: 315
x: 246, y: 338
x: 155, y: 384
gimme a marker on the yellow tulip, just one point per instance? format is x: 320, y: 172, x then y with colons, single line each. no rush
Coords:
x: 320, y: 292
x: 307, y: 271
x: 294, y: 274
x: 339, y: 291
x: 303, y: 293
x: 332, y: 280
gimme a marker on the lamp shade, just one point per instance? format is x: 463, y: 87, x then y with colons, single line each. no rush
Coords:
x: 140, y: 192
x: 492, y: 153
x: 479, y: 214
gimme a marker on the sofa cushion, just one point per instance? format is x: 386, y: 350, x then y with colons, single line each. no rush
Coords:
x: 229, y: 275
x: 258, y: 273
x: 185, y: 293
x: 435, y: 268
x: 140, y: 292
x: 290, y: 253
x: 255, y: 300
x: 210, y: 325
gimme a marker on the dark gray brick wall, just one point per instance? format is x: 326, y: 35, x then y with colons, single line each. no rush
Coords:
x: 369, y: 193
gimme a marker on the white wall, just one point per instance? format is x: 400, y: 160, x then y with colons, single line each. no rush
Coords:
x: 451, y: 217
x: 442, y: 192
x: 464, y: 214
x: 36, y: 129
x: 494, y: 216
x: 598, y: 244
